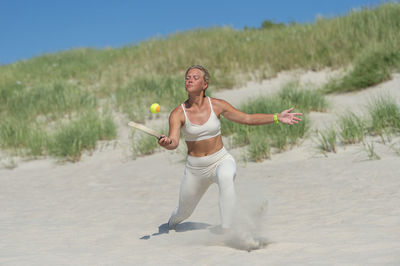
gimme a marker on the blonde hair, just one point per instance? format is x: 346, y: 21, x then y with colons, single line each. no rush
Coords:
x: 206, y: 75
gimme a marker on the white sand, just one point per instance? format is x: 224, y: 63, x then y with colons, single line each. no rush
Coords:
x: 300, y: 208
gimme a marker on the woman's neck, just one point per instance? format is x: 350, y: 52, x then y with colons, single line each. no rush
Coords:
x: 196, y: 100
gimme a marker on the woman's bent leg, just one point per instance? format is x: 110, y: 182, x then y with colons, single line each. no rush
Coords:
x: 225, y: 174
x: 192, y: 189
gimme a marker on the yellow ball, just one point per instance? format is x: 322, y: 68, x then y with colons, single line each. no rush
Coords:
x: 155, y: 108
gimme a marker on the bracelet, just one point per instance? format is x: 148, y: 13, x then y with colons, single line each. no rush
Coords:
x: 276, y: 118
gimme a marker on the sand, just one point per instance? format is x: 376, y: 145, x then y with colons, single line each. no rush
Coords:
x: 299, y: 208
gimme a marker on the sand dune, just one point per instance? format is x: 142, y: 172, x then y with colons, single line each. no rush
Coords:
x: 300, y: 208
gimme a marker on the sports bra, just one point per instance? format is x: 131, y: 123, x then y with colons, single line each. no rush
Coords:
x: 209, y: 129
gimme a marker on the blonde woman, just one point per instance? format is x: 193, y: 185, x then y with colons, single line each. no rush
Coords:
x: 207, y: 160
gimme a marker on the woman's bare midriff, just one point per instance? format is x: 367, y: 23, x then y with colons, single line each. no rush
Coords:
x: 204, y: 147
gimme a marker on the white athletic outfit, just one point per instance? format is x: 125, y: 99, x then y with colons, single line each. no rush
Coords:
x: 201, y: 172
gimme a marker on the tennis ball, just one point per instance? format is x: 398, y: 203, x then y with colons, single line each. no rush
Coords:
x: 155, y: 108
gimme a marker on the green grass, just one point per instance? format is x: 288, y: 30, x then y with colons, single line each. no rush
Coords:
x: 144, y: 145
x: 81, y: 134
x: 52, y: 101
x: 259, y: 148
x: 385, y: 115
x: 327, y: 140
x: 370, y: 149
x: 304, y: 99
x: 382, y: 119
x: 352, y: 128
x: 373, y: 66
x: 19, y: 137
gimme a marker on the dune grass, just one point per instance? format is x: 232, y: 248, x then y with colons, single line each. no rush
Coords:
x: 327, y: 140
x: 382, y: 119
x: 52, y: 101
x: 352, y: 128
x: 39, y: 94
x: 259, y: 147
x: 328, y: 42
x: 385, y: 115
x: 81, y: 134
x: 262, y: 138
x: 369, y: 147
x: 67, y: 141
x: 22, y: 138
x: 143, y: 145
x: 373, y: 66
x: 305, y: 99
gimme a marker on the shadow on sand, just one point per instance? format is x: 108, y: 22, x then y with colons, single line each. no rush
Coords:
x: 182, y: 227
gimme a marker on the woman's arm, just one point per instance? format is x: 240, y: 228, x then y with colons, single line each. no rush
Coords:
x: 233, y: 114
x: 172, y: 141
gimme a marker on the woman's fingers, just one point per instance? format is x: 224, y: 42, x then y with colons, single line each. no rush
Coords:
x: 290, y: 109
x: 164, y: 140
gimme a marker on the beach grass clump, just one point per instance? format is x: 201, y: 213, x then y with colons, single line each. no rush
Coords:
x: 304, y: 99
x: 22, y: 138
x: 81, y: 134
x: 385, y: 115
x: 144, y: 145
x: 352, y: 128
x: 259, y: 148
x: 373, y: 66
x: 383, y: 120
x: 369, y: 147
x: 327, y: 140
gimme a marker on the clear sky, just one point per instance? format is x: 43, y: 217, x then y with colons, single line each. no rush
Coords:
x: 33, y: 27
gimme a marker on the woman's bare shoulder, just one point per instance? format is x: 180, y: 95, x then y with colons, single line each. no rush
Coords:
x: 219, y: 105
x: 218, y: 101
x: 177, y: 113
x: 177, y: 110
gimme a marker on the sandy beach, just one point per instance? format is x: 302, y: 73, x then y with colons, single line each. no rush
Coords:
x: 299, y: 208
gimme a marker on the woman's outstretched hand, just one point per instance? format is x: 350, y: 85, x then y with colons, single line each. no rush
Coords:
x: 287, y: 117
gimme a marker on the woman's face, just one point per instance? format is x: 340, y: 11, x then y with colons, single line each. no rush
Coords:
x: 194, y: 81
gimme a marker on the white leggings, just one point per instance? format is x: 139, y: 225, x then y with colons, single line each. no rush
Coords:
x: 200, y: 173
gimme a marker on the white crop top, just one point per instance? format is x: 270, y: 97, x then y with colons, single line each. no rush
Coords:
x: 209, y: 129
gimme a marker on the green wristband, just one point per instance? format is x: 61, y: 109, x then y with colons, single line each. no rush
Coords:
x: 276, y: 118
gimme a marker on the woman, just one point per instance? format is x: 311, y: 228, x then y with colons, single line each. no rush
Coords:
x: 207, y: 160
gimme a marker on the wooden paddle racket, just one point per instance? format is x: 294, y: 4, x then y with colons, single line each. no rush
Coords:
x: 145, y: 129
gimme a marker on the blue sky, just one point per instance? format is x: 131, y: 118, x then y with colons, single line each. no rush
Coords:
x: 32, y: 28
